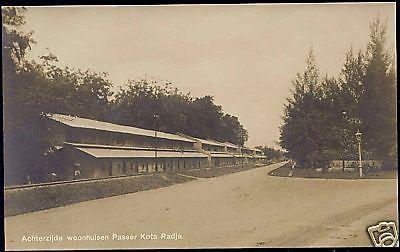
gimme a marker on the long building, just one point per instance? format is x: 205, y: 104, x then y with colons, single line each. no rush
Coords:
x: 86, y: 148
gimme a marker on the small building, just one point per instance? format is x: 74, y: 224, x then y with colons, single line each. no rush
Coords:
x: 95, y: 149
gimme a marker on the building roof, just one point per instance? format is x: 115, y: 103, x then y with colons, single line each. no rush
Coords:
x: 85, y: 145
x: 216, y: 142
x: 231, y: 145
x: 122, y: 153
x: 209, y: 142
x: 221, y: 155
x: 78, y: 122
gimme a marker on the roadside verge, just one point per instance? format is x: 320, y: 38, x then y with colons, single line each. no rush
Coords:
x: 30, y: 199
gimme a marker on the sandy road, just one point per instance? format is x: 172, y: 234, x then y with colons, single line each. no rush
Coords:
x: 245, y: 209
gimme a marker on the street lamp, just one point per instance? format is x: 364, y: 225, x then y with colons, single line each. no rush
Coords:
x: 344, y: 113
x: 155, y: 135
x: 358, y: 137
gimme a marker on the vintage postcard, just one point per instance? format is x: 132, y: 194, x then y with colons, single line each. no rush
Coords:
x: 200, y: 126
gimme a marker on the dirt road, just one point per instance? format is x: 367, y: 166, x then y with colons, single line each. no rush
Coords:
x: 245, y: 209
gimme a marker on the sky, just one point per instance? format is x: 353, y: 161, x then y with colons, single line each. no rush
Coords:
x: 244, y: 55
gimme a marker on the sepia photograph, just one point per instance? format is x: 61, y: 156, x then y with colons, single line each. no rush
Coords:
x: 200, y: 126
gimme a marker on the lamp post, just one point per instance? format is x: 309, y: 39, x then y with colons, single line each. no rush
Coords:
x: 358, y: 136
x: 155, y: 135
x: 45, y: 168
x: 344, y: 113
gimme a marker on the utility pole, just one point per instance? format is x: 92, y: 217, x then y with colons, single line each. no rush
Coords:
x: 358, y: 136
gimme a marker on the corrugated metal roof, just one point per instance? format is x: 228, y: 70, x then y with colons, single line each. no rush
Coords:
x: 231, y: 145
x: 212, y: 142
x: 216, y: 142
x: 78, y: 122
x: 209, y: 142
x: 221, y: 155
x: 119, y: 153
x: 85, y: 145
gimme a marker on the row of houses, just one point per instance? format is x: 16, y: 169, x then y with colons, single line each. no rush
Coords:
x: 86, y: 148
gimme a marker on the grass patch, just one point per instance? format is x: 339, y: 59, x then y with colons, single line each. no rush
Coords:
x: 284, y: 170
x: 218, y: 171
x: 177, y: 179
x: 24, y: 200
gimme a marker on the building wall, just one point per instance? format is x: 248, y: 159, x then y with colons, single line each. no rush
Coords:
x: 222, y: 161
x: 91, y: 136
x: 239, y: 160
x: 208, y: 147
x: 90, y: 167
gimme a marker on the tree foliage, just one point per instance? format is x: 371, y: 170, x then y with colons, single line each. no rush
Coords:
x: 306, y: 128
x: 323, y: 114
x: 140, y: 101
x: 33, y: 87
x: 377, y: 109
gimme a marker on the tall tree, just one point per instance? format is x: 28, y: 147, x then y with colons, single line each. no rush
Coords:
x: 15, y: 44
x: 377, y: 106
x: 322, y: 116
x: 31, y: 88
x: 351, y: 82
x: 300, y: 132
